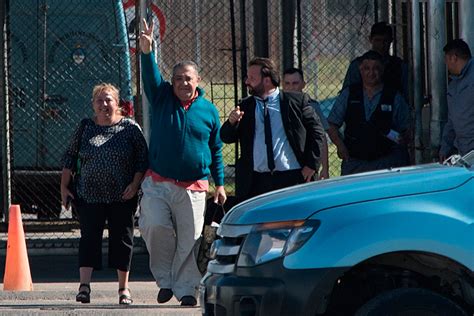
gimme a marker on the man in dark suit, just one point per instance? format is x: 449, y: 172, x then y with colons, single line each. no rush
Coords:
x: 279, y: 133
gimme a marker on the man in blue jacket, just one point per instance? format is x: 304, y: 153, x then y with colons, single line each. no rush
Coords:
x: 185, y: 148
x: 458, y: 133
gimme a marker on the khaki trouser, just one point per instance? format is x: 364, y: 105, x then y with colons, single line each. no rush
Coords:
x: 171, y: 221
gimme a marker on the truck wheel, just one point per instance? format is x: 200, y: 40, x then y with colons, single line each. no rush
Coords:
x: 410, y: 301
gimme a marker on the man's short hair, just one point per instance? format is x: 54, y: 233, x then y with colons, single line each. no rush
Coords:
x: 459, y: 48
x: 371, y: 55
x: 293, y: 70
x: 381, y: 28
x: 185, y: 63
x: 268, y: 69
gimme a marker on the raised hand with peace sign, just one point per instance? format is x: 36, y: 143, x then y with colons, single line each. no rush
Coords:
x: 146, y: 37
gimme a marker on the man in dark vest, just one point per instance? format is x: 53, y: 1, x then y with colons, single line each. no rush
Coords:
x: 376, y: 119
x: 396, y: 70
x: 279, y: 133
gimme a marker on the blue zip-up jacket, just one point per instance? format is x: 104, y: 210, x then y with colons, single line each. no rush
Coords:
x: 184, y: 145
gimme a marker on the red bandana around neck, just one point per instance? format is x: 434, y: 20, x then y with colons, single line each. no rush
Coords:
x: 186, y: 104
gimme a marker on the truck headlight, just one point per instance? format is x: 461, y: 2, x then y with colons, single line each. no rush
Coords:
x: 272, y: 240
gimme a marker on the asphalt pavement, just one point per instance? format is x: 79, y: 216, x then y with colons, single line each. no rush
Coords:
x: 56, y: 281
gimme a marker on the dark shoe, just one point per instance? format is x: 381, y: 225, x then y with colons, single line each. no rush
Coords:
x: 84, y: 296
x: 188, y: 301
x: 164, y: 295
x: 125, y: 299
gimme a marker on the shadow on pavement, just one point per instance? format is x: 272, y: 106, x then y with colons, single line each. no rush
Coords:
x: 64, y: 268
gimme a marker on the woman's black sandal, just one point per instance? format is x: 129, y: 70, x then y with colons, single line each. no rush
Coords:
x: 125, y: 299
x: 84, y: 296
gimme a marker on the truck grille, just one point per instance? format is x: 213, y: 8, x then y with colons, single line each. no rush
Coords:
x: 227, y: 248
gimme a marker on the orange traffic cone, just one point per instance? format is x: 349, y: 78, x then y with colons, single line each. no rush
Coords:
x: 17, y: 268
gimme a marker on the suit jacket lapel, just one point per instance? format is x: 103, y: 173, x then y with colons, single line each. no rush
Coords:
x: 284, y: 108
x: 251, y: 117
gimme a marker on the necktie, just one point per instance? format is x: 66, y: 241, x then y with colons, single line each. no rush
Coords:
x: 268, y: 136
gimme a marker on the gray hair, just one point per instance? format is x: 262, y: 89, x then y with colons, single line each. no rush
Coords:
x: 185, y: 63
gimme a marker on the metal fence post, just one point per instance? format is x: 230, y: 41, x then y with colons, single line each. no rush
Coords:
x: 436, y: 42
x: 381, y: 10
x: 243, y: 47
x: 260, y: 24
x: 234, y: 52
x: 138, y: 82
x: 466, y: 10
x: 417, y: 79
x: 143, y: 112
x: 5, y: 111
x: 288, y: 30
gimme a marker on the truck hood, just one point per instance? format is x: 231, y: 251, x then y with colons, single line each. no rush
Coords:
x: 301, y: 201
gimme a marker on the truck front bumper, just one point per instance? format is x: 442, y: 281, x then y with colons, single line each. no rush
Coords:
x: 268, y: 289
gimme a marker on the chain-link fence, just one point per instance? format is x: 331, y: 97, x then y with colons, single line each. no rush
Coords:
x: 200, y: 31
x: 324, y: 37
x: 56, y: 51
x: 332, y: 34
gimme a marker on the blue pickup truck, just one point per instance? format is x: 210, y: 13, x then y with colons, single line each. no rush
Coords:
x: 391, y: 242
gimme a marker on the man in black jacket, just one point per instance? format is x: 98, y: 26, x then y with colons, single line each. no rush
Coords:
x: 279, y: 133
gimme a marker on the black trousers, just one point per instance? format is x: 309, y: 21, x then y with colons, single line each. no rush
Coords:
x: 120, y: 220
x: 263, y: 182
